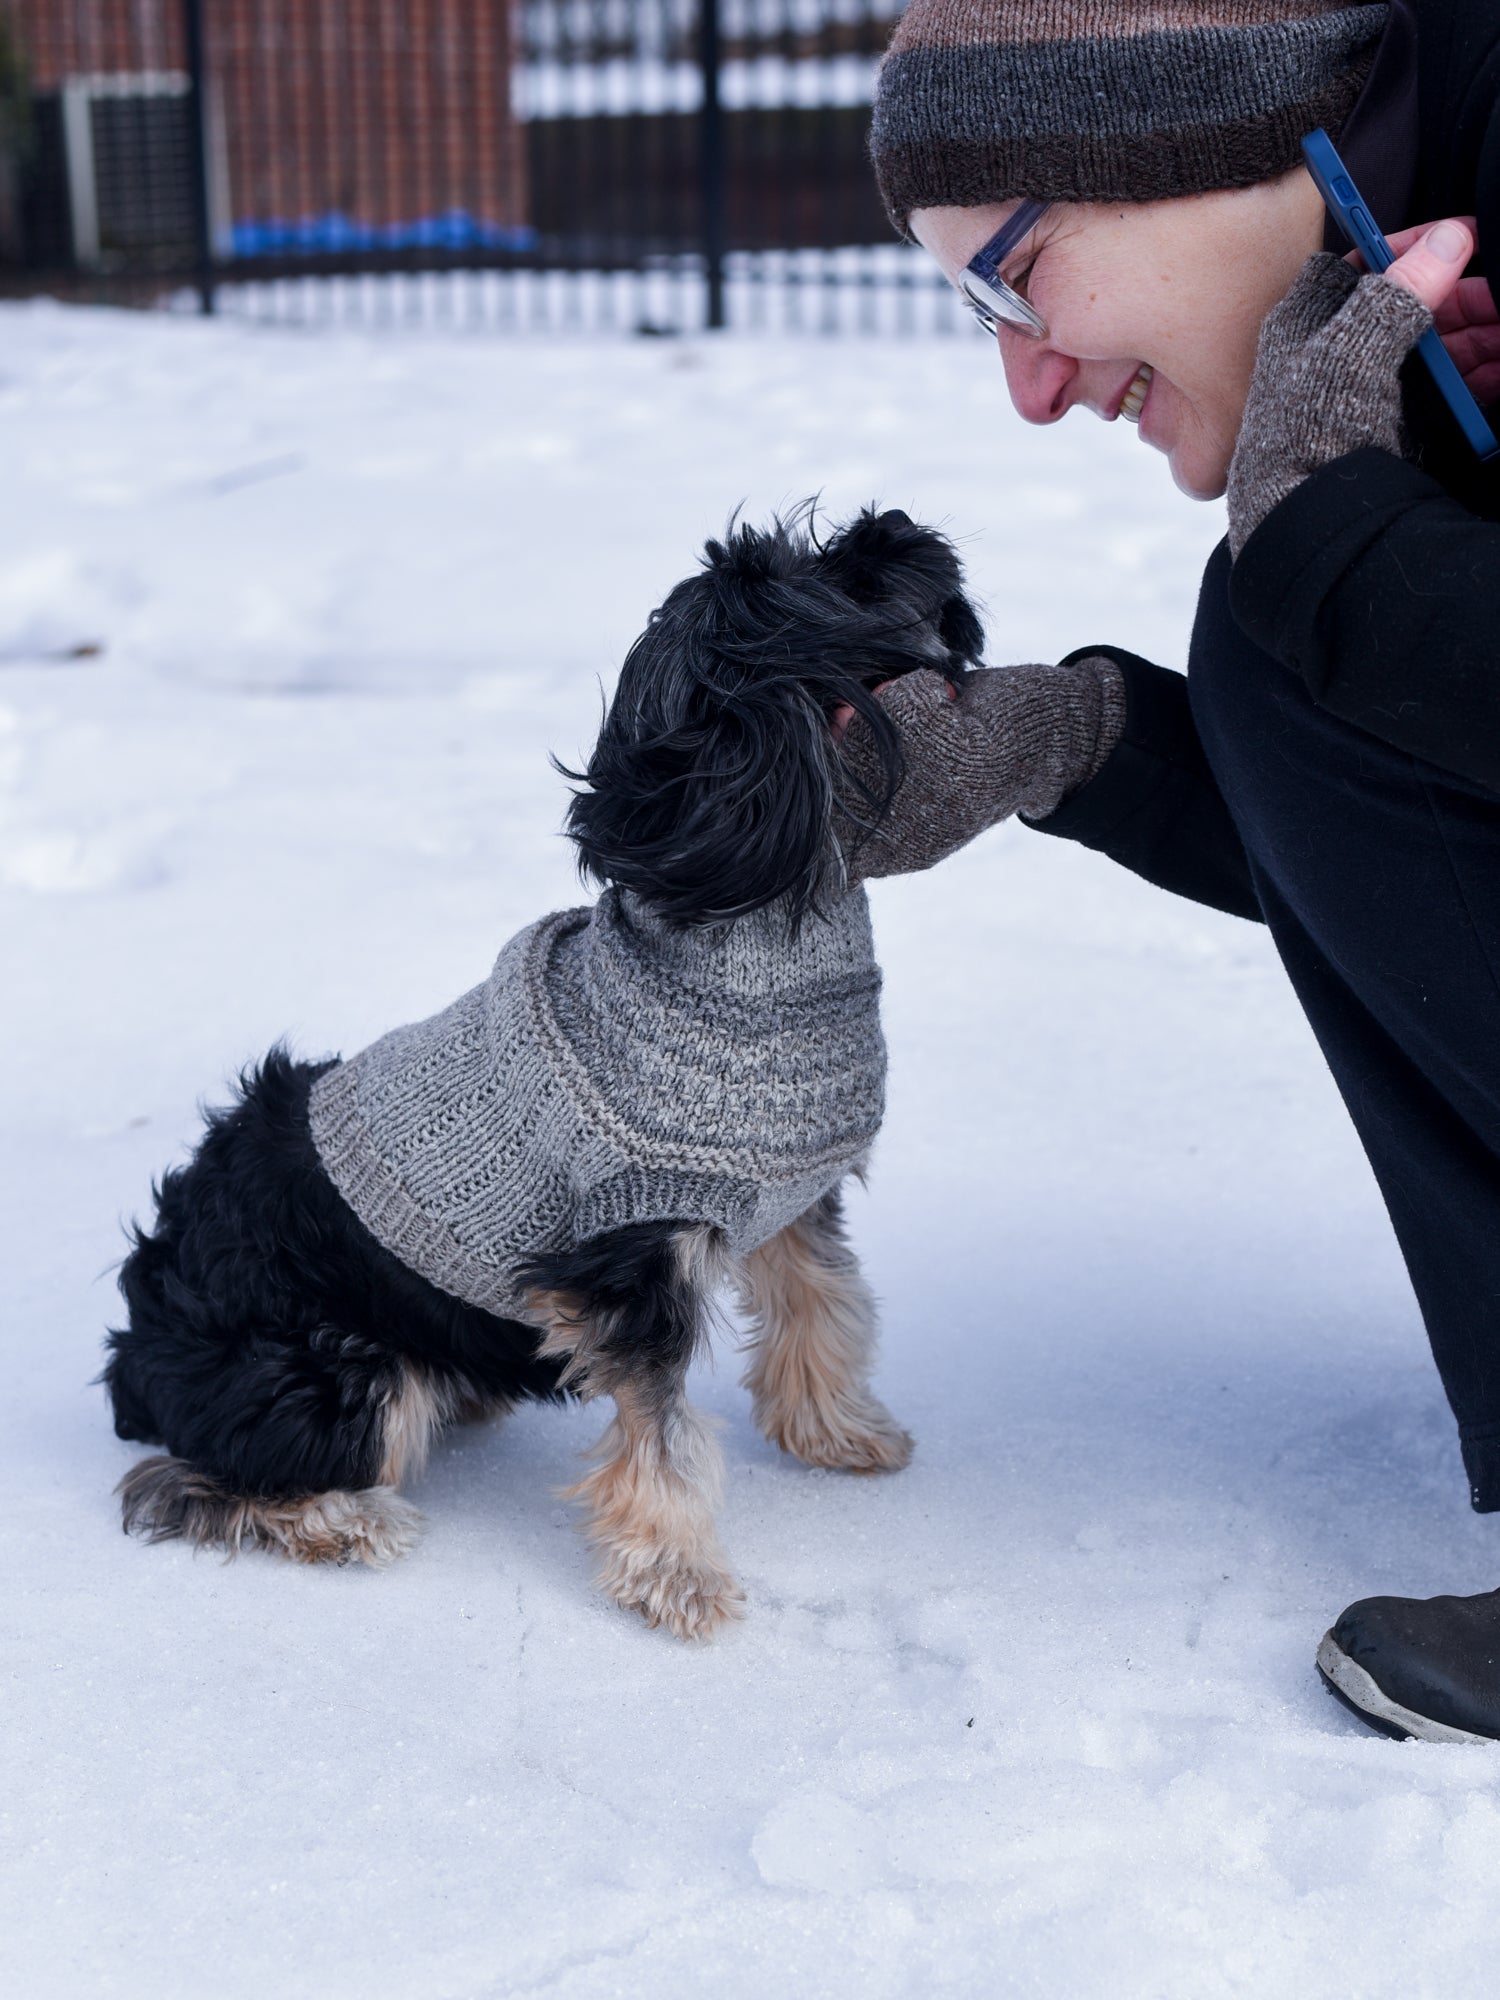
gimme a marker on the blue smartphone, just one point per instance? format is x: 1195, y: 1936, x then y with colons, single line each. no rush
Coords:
x: 1357, y: 223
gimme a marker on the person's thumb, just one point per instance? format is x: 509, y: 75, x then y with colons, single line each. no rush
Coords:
x: 1433, y: 265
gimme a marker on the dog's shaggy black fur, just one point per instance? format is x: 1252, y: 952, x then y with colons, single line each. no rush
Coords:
x: 267, y: 1324
x: 294, y: 1369
x: 711, y: 784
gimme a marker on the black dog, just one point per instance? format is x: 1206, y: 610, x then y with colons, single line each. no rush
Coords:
x: 297, y: 1370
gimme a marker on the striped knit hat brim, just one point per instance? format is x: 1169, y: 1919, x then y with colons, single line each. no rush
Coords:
x: 982, y: 101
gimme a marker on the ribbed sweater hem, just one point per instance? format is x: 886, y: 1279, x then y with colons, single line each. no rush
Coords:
x: 384, y: 1206
x: 471, y: 1144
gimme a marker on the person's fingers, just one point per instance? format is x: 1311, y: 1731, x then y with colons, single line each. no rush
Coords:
x: 1432, y: 267
x: 927, y: 688
x: 1469, y: 323
x: 1470, y: 305
x: 1467, y: 317
x: 1475, y: 352
x: 1401, y: 240
x: 843, y: 715
x: 911, y: 693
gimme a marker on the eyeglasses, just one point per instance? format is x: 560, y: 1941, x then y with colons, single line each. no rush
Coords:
x: 986, y: 293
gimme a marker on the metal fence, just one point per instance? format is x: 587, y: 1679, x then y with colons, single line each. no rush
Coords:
x: 664, y: 164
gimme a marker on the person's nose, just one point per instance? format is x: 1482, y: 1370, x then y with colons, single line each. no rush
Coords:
x: 1039, y: 378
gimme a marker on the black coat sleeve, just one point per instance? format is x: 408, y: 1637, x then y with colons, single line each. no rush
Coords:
x: 1155, y: 806
x: 1383, y: 594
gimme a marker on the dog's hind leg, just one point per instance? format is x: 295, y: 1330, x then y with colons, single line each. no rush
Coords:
x: 166, y: 1500
x: 338, y: 1504
x: 812, y: 1347
x: 628, y: 1321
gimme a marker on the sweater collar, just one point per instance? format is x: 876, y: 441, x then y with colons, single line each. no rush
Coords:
x: 753, y: 957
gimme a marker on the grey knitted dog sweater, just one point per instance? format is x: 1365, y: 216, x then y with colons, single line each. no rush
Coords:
x: 614, y: 1070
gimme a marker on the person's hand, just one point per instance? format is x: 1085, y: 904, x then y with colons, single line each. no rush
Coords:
x: 1464, y: 308
x: 1004, y: 740
x: 1327, y: 371
x: 843, y: 715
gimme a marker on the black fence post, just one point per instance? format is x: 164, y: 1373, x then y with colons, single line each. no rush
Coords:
x: 711, y: 162
x: 203, y: 249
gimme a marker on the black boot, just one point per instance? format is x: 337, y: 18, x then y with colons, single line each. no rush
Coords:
x: 1419, y: 1666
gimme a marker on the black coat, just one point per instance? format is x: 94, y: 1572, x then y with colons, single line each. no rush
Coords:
x: 1377, y: 581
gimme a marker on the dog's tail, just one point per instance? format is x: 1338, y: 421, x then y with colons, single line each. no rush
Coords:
x: 166, y: 1499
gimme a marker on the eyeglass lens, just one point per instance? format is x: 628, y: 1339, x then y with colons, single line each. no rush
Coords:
x: 993, y: 303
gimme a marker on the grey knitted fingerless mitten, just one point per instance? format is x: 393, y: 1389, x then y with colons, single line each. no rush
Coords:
x: 1326, y: 382
x: 1015, y: 739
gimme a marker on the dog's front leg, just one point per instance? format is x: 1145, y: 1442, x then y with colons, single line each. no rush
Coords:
x: 651, y: 1498
x: 658, y: 1473
x: 812, y: 1347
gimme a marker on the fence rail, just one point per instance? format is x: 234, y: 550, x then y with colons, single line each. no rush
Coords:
x: 679, y: 152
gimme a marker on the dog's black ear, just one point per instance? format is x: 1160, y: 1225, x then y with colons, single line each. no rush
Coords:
x: 882, y: 558
x: 711, y: 788
x: 865, y: 558
x: 960, y: 630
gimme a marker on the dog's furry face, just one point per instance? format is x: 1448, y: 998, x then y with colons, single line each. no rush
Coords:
x: 711, y: 788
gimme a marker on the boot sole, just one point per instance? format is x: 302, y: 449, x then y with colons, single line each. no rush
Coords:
x: 1364, y: 1697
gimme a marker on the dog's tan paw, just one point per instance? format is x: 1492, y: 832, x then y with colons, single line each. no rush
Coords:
x: 864, y: 1438
x: 694, y: 1599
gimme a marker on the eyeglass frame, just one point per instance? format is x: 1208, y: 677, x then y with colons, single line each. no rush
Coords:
x: 993, y: 303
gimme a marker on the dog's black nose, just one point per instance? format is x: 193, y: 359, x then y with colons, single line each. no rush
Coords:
x: 893, y: 517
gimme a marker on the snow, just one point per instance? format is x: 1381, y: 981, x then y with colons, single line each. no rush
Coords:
x: 1037, y: 1715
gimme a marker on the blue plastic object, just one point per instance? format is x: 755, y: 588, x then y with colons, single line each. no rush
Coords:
x: 332, y: 232
x: 1354, y: 218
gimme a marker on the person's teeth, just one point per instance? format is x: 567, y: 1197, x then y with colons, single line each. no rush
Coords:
x: 1135, y: 395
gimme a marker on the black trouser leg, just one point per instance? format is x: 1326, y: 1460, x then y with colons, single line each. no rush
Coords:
x: 1380, y: 880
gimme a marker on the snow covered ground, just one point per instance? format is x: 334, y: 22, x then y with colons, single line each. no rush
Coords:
x: 1038, y: 1715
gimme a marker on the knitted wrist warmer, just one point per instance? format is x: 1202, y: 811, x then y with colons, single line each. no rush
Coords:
x: 1015, y: 739
x: 1326, y: 382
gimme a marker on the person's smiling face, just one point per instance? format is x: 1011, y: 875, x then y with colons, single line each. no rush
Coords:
x: 1153, y: 306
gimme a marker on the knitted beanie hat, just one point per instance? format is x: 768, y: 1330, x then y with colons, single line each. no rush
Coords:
x: 983, y: 101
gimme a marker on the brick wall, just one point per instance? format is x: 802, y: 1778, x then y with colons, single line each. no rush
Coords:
x: 66, y: 37
x: 385, y: 113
